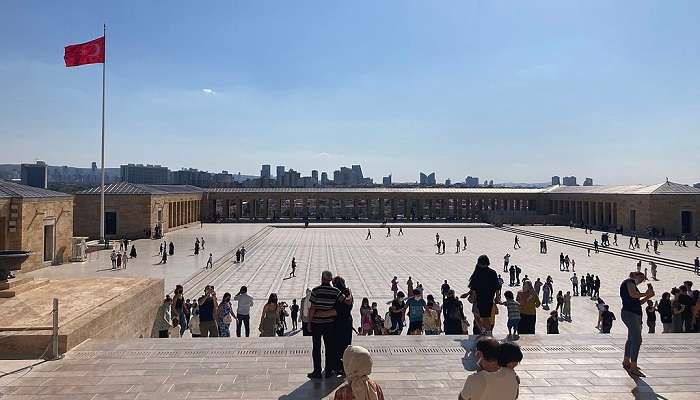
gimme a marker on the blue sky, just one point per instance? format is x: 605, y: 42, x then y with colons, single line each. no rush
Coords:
x: 507, y: 90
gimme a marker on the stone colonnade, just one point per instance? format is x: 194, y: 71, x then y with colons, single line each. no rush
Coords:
x: 183, y: 212
x: 588, y: 212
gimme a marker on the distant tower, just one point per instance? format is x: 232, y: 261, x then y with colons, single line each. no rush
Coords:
x: 35, y: 174
x: 588, y: 182
x: 265, y: 171
x: 556, y: 181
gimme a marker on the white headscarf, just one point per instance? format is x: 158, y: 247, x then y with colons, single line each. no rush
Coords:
x: 358, y: 365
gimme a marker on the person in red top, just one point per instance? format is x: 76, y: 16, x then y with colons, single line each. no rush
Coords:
x: 358, y: 365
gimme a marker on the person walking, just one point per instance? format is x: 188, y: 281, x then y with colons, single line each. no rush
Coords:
x: 196, y: 247
x: 516, y: 243
x: 294, y: 268
x: 651, y: 310
x: 366, y: 327
x: 606, y: 320
x: 395, y: 286
x: 369, y: 234
x: 225, y: 315
x: 132, y: 254
x: 210, y: 262
x: 574, y: 284
x: 409, y: 286
x: 506, y: 260
x: 458, y: 246
x: 171, y: 249
x: 322, y: 315
x: 124, y: 258
x: 242, y: 253
x: 566, y: 310
x: 513, y: 308
x: 238, y: 256
x: 164, y: 318
x: 444, y: 290
x: 560, y: 302
x: 270, y: 317
x: 631, y: 315
x: 696, y: 265
x: 113, y: 258
x: 245, y: 302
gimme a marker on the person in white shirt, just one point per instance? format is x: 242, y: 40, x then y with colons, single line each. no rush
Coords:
x: 305, y: 307
x: 492, y: 382
x: 245, y: 302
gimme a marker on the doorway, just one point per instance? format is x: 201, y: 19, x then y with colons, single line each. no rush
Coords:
x: 633, y: 220
x: 110, y: 223
x: 686, y: 222
x: 49, y: 242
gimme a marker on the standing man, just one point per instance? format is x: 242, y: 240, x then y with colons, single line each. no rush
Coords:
x: 484, y: 288
x: 207, y: 311
x: 242, y: 253
x: 506, y: 260
x: 322, y: 317
x: 697, y: 266
x: 574, y: 284
x: 245, y: 302
x: 458, y: 246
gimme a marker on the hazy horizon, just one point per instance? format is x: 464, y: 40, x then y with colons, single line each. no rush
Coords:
x: 508, y: 91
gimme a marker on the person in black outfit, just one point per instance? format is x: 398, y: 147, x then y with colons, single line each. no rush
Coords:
x: 343, y: 321
x: 295, y: 314
x: 512, y: 275
x: 688, y: 302
x: 666, y: 312
x: 444, y: 289
x: 453, y: 314
x: 484, y: 289
x: 171, y: 249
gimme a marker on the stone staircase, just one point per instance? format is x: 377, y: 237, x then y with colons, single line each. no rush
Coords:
x: 19, y: 285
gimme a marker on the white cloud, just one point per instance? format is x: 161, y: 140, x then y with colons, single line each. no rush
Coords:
x: 209, y: 91
x: 325, y: 155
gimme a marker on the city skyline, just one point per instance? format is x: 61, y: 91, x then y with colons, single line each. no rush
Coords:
x: 511, y: 92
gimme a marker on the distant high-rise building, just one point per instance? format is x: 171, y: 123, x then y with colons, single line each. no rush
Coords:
x: 336, y: 177
x: 223, y: 179
x: 556, y: 181
x: 94, y: 167
x: 194, y: 177
x: 35, y: 175
x: 314, y: 176
x: 491, y: 183
x: 279, y: 176
x: 569, y: 181
x: 265, y: 171
x: 427, y: 180
x: 471, y: 181
x: 386, y: 181
x: 324, y: 178
x: 697, y: 185
x: 588, y: 182
x: 356, y: 175
x: 448, y: 182
x: 145, y: 174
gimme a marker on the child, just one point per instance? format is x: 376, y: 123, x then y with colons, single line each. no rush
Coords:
x: 174, y: 331
x: 601, y: 309
x: 509, y: 357
x: 553, y: 323
x: 651, y: 316
x: 607, y: 318
x: 491, y: 381
x: 513, y: 314
x: 357, y: 363
x: 194, y: 320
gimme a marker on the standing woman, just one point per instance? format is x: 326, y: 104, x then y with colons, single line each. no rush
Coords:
x: 528, y: 300
x: 631, y: 314
x: 179, y: 308
x: 560, y: 302
x: 225, y: 316
x: 270, y: 317
x: 343, y: 320
x: 366, y: 317
x: 453, y: 312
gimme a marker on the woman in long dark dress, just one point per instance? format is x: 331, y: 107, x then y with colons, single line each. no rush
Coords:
x: 133, y: 251
x: 453, y: 313
x: 343, y: 320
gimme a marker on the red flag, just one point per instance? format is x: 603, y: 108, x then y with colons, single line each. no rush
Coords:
x: 92, y: 52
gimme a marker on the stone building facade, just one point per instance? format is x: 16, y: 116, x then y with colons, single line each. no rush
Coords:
x: 135, y: 210
x: 36, y: 220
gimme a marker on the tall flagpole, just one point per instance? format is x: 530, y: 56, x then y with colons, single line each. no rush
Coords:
x: 102, y: 186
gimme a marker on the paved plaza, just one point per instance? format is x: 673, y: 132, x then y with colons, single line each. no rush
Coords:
x: 369, y: 265
x: 564, y: 367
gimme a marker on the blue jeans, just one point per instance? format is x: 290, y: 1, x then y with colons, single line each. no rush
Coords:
x: 633, y: 322
x: 183, y: 323
x: 396, y: 325
x: 513, y: 324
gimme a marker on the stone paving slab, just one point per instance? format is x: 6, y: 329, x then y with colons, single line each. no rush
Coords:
x: 414, y: 367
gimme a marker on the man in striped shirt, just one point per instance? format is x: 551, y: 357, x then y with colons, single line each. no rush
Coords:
x: 322, y: 316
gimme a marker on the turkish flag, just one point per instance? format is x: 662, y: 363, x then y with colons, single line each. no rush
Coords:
x: 92, y: 52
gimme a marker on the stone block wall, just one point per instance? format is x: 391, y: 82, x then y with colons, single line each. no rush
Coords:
x: 133, y: 215
x: 35, y: 213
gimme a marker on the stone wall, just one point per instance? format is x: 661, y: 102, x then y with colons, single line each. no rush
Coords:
x: 665, y: 211
x: 133, y: 215
x: 35, y: 213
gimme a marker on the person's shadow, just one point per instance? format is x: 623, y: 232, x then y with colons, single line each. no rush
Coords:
x: 643, y: 391
x: 313, y: 389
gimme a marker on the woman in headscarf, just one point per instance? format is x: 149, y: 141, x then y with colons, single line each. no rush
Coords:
x: 358, y: 365
x: 527, y: 298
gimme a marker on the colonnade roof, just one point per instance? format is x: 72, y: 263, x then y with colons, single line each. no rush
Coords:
x: 659, y: 188
x: 141, y: 189
x: 377, y: 190
x: 13, y: 190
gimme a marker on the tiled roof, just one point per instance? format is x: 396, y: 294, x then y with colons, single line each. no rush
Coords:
x: 11, y: 189
x: 374, y: 190
x: 138, y: 189
x: 659, y: 188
